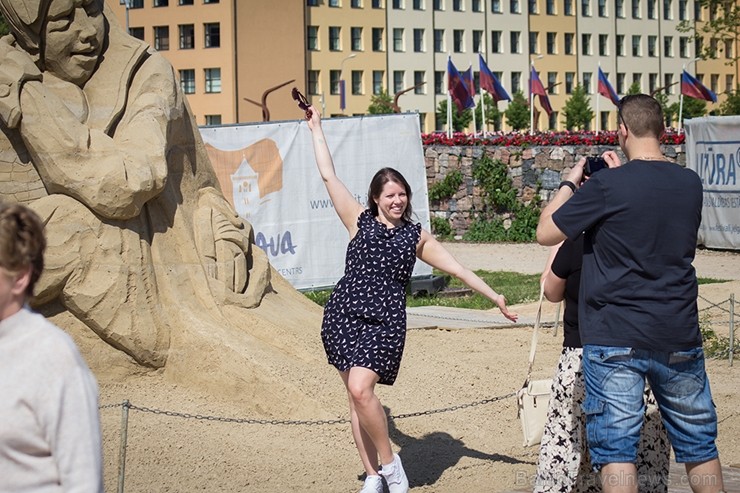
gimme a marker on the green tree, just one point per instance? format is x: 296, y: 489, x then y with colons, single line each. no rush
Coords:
x: 380, y: 104
x: 668, y: 114
x: 692, y: 108
x: 460, y: 121
x: 724, y: 19
x: 634, y: 89
x: 577, y: 110
x: 517, y: 113
x: 4, y: 29
x: 731, y: 105
x: 493, y: 115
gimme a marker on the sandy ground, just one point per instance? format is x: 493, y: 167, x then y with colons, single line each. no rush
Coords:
x: 468, y: 446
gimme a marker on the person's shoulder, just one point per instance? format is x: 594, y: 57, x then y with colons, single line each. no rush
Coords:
x: 50, y: 339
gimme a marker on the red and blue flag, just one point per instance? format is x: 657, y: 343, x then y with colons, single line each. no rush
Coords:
x: 606, y: 89
x: 456, y: 88
x: 490, y: 83
x: 692, y: 88
x: 536, y: 87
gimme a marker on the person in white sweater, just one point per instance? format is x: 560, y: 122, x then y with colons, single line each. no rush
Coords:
x: 50, y: 438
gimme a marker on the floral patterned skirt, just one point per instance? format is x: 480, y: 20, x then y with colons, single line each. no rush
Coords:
x: 564, y: 463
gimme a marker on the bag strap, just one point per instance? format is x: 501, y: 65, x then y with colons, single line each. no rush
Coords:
x: 533, y: 348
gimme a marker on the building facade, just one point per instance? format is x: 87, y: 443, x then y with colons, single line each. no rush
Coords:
x: 233, y: 55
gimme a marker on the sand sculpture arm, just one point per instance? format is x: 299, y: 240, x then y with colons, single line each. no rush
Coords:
x: 114, y: 175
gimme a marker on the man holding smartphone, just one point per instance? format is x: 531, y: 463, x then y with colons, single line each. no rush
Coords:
x: 638, y: 314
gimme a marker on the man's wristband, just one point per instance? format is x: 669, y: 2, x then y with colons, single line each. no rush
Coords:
x: 569, y: 184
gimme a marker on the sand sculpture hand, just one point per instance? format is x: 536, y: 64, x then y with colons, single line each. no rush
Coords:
x: 16, y: 68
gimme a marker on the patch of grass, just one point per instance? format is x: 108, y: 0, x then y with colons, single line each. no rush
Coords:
x: 518, y: 288
x: 709, y: 280
x: 715, y: 346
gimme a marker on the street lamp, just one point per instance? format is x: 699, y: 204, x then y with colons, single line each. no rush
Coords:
x: 680, y: 99
x: 342, y: 99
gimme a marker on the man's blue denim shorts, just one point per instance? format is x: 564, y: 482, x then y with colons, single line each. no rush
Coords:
x: 614, y: 406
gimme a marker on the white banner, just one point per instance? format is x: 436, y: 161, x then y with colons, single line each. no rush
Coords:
x: 713, y: 151
x: 269, y: 174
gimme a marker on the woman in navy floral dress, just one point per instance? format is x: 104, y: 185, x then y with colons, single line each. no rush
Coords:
x: 364, y: 327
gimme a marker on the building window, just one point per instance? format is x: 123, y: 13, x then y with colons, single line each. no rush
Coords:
x: 714, y: 84
x: 356, y: 4
x: 334, y: 3
x: 377, y: 4
x: 439, y: 82
x: 378, y: 81
x: 635, y: 9
x: 698, y: 46
x: 477, y: 41
x: 377, y: 39
x: 418, y: 40
x: 418, y: 4
x: 683, y: 9
x: 439, y: 37
x: 667, y: 10
x: 729, y: 83
x: 551, y: 43
x: 419, y: 82
x: 356, y: 35
x: 161, y: 3
x: 728, y: 49
x: 587, y: 82
x: 516, y: 82
x: 514, y: 7
x: 476, y: 6
x: 550, y: 7
x: 187, y: 81
x: 312, y: 3
x: 652, y: 82
x: 213, y: 119
x: 603, y: 44
x: 620, y: 9
x: 533, y: 42
x: 398, y: 4
x: 211, y: 1
x: 213, y: 34
x: 334, y: 81
x: 585, y: 44
x: 552, y: 120
x: 683, y: 47
x: 187, y: 36
x: 568, y: 7
x: 637, y: 80
x: 398, y: 76
x: 533, y: 8
x: 161, y: 38
x: 312, y: 41
x: 357, y: 82
x: 514, y: 38
x: 552, y: 82
x: 668, y: 78
x: 213, y: 80
x: 651, y: 9
x: 652, y: 42
x: 586, y: 8
x: 620, y: 44
x: 569, y: 78
x: 636, y: 45
x: 496, y: 45
x: 398, y: 39
x: 602, y: 9
x: 496, y: 7
x: 186, y: 2
x: 438, y: 5
x: 569, y: 42
x: 668, y: 46
x: 620, y: 83
x: 334, y: 38
x: 457, y: 5
x: 136, y: 32
x: 458, y: 37
x: 313, y: 82
x: 136, y: 4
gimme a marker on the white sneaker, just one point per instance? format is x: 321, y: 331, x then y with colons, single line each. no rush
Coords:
x: 395, y: 476
x: 373, y: 484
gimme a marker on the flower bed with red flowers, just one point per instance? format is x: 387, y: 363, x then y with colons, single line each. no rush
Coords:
x: 517, y: 139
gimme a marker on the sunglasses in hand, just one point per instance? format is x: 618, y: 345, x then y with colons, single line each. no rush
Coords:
x: 302, y: 102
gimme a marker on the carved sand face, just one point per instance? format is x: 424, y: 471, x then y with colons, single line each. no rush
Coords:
x: 74, y: 35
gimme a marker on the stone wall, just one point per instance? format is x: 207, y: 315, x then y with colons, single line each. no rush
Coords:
x: 535, y: 172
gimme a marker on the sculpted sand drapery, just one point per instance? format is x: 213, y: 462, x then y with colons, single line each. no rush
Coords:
x: 98, y: 139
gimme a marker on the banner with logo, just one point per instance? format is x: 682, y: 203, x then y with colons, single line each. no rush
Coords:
x: 268, y: 172
x: 713, y: 151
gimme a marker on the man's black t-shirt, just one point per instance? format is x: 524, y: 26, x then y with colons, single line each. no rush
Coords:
x: 638, y: 287
x: 567, y: 265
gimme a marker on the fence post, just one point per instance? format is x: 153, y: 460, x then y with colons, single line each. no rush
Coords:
x: 732, y: 326
x: 122, y: 449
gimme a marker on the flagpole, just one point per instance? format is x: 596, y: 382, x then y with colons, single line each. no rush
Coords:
x: 449, y: 101
x: 531, y: 100
x: 484, y: 123
x: 472, y: 80
x: 598, y: 115
x: 680, y: 99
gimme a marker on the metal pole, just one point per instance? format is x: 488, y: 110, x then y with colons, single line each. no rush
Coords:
x: 122, y: 449
x: 732, y: 326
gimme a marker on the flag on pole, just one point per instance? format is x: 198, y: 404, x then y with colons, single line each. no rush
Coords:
x: 467, y: 78
x: 606, y: 89
x: 456, y: 88
x: 692, y: 88
x: 536, y: 87
x: 490, y: 83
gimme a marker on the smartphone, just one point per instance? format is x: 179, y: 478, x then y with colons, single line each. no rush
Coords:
x: 594, y: 164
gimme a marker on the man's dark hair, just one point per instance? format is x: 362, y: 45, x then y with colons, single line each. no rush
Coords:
x: 642, y: 115
x: 22, y: 242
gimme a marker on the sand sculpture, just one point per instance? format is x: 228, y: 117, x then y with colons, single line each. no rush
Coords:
x: 99, y: 140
